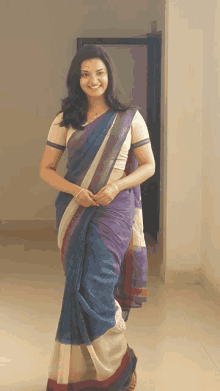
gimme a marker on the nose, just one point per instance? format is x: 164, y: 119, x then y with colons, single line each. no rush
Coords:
x: 93, y: 80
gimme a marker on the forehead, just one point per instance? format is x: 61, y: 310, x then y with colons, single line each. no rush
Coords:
x: 92, y: 64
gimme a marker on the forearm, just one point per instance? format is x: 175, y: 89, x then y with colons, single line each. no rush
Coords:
x: 53, y: 179
x: 140, y: 175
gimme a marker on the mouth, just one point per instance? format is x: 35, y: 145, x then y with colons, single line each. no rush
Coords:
x: 94, y: 88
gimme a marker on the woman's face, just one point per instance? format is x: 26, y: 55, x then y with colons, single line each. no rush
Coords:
x: 94, y: 77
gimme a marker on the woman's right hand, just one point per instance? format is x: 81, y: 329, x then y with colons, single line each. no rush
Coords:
x: 85, y: 198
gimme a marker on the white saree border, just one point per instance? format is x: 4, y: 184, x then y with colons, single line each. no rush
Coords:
x: 138, y: 229
x: 98, y: 361
x: 60, y: 363
x: 106, y: 354
x: 72, y: 207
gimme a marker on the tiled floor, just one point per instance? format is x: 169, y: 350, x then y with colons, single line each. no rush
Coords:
x: 176, y: 335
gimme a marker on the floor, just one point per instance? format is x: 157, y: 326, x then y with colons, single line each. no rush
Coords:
x: 176, y: 335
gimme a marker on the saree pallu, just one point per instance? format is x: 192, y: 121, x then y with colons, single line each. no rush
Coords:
x: 104, y: 259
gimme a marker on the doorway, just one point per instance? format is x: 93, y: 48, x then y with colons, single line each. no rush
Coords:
x: 138, y: 68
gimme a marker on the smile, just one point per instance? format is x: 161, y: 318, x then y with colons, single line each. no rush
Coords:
x: 94, y: 88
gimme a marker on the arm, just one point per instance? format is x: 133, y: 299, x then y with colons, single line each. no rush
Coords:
x: 51, y: 157
x: 48, y: 164
x: 146, y: 169
x: 144, y: 155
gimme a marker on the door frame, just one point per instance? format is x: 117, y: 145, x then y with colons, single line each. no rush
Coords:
x: 153, y: 112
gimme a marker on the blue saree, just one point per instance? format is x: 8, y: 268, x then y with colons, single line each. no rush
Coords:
x: 104, y: 259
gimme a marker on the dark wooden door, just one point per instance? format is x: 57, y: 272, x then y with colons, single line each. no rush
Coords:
x: 151, y: 188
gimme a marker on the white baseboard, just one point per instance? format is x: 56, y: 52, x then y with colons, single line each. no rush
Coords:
x: 25, y: 225
x: 182, y: 276
x: 197, y: 276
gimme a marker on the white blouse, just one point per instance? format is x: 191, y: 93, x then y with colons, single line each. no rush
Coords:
x: 58, y: 137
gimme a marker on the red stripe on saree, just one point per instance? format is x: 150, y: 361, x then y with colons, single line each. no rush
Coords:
x: 90, y: 385
x: 74, y: 220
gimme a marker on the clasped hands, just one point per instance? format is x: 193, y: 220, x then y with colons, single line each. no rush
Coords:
x: 107, y: 194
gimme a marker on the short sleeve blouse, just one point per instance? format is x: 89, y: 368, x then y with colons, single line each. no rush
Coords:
x: 58, y: 137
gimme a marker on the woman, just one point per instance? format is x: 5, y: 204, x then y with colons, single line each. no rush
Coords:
x: 100, y: 229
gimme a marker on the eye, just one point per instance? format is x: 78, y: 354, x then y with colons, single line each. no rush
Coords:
x: 84, y: 74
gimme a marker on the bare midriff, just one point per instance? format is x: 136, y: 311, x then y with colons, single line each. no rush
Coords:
x: 116, y: 174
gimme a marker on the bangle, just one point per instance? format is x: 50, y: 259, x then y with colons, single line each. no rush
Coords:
x: 115, y: 186
x: 79, y: 193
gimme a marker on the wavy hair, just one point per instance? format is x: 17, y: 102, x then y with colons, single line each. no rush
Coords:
x: 74, y: 106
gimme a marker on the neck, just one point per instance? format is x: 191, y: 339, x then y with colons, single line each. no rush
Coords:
x: 97, y: 104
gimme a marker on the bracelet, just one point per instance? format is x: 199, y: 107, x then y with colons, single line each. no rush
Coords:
x: 115, y: 186
x: 79, y: 193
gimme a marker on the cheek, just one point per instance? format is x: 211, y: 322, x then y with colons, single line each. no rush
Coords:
x: 105, y: 81
x: 82, y: 83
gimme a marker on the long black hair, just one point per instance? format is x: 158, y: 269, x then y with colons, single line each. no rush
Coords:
x: 74, y: 106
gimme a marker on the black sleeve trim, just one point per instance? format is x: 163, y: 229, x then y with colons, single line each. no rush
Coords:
x: 62, y: 147
x: 140, y: 143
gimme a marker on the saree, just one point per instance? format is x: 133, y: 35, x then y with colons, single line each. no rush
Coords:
x: 104, y: 259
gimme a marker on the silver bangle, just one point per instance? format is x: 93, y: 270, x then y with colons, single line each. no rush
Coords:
x: 79, y: 193
x: 115, y: 186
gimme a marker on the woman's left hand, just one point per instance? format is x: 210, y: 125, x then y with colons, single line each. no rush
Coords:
x: 106, y: 194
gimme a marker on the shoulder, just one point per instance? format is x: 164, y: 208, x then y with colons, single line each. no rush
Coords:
x: 138, y: 119
x: 57, y: 133
x: 139, y: 130
x: 57, y: 120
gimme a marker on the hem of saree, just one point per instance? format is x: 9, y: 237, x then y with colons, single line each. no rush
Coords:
x: 131, y: 302
x: 117, y: 382
x: 127, y: 293
x: 137, y: 297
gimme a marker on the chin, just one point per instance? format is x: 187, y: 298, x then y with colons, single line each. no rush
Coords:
x: 95, y: 93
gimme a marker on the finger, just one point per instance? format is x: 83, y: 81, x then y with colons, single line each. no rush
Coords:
x: 94, y: 198
x: 87, y: 201
x: 100, y: 191
x: 98, y: 195
x: 105, y: 197
x: 94, y: 203
x: 105, y: 201
x: 99, y: 199
x: 90, y: 193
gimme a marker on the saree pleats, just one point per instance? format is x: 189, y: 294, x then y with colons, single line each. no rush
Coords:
x: 104, y: 260
x: 131, y: 290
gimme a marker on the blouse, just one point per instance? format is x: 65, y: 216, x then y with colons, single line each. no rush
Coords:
x: 58, y: 137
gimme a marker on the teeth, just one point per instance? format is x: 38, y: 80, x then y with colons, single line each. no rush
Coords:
x: 94, y: 88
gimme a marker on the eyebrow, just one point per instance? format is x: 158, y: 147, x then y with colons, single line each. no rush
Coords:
x: 102, y: 69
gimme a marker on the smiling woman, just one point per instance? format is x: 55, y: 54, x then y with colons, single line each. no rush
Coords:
x: 94, y: 77
x: 94, y: 82
x: 100, y: 227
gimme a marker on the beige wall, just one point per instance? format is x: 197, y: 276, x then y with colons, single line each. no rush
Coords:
x: 192, y: 216
x: 38, y: 41
x: 210, y: 240
x: 184, y: 138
